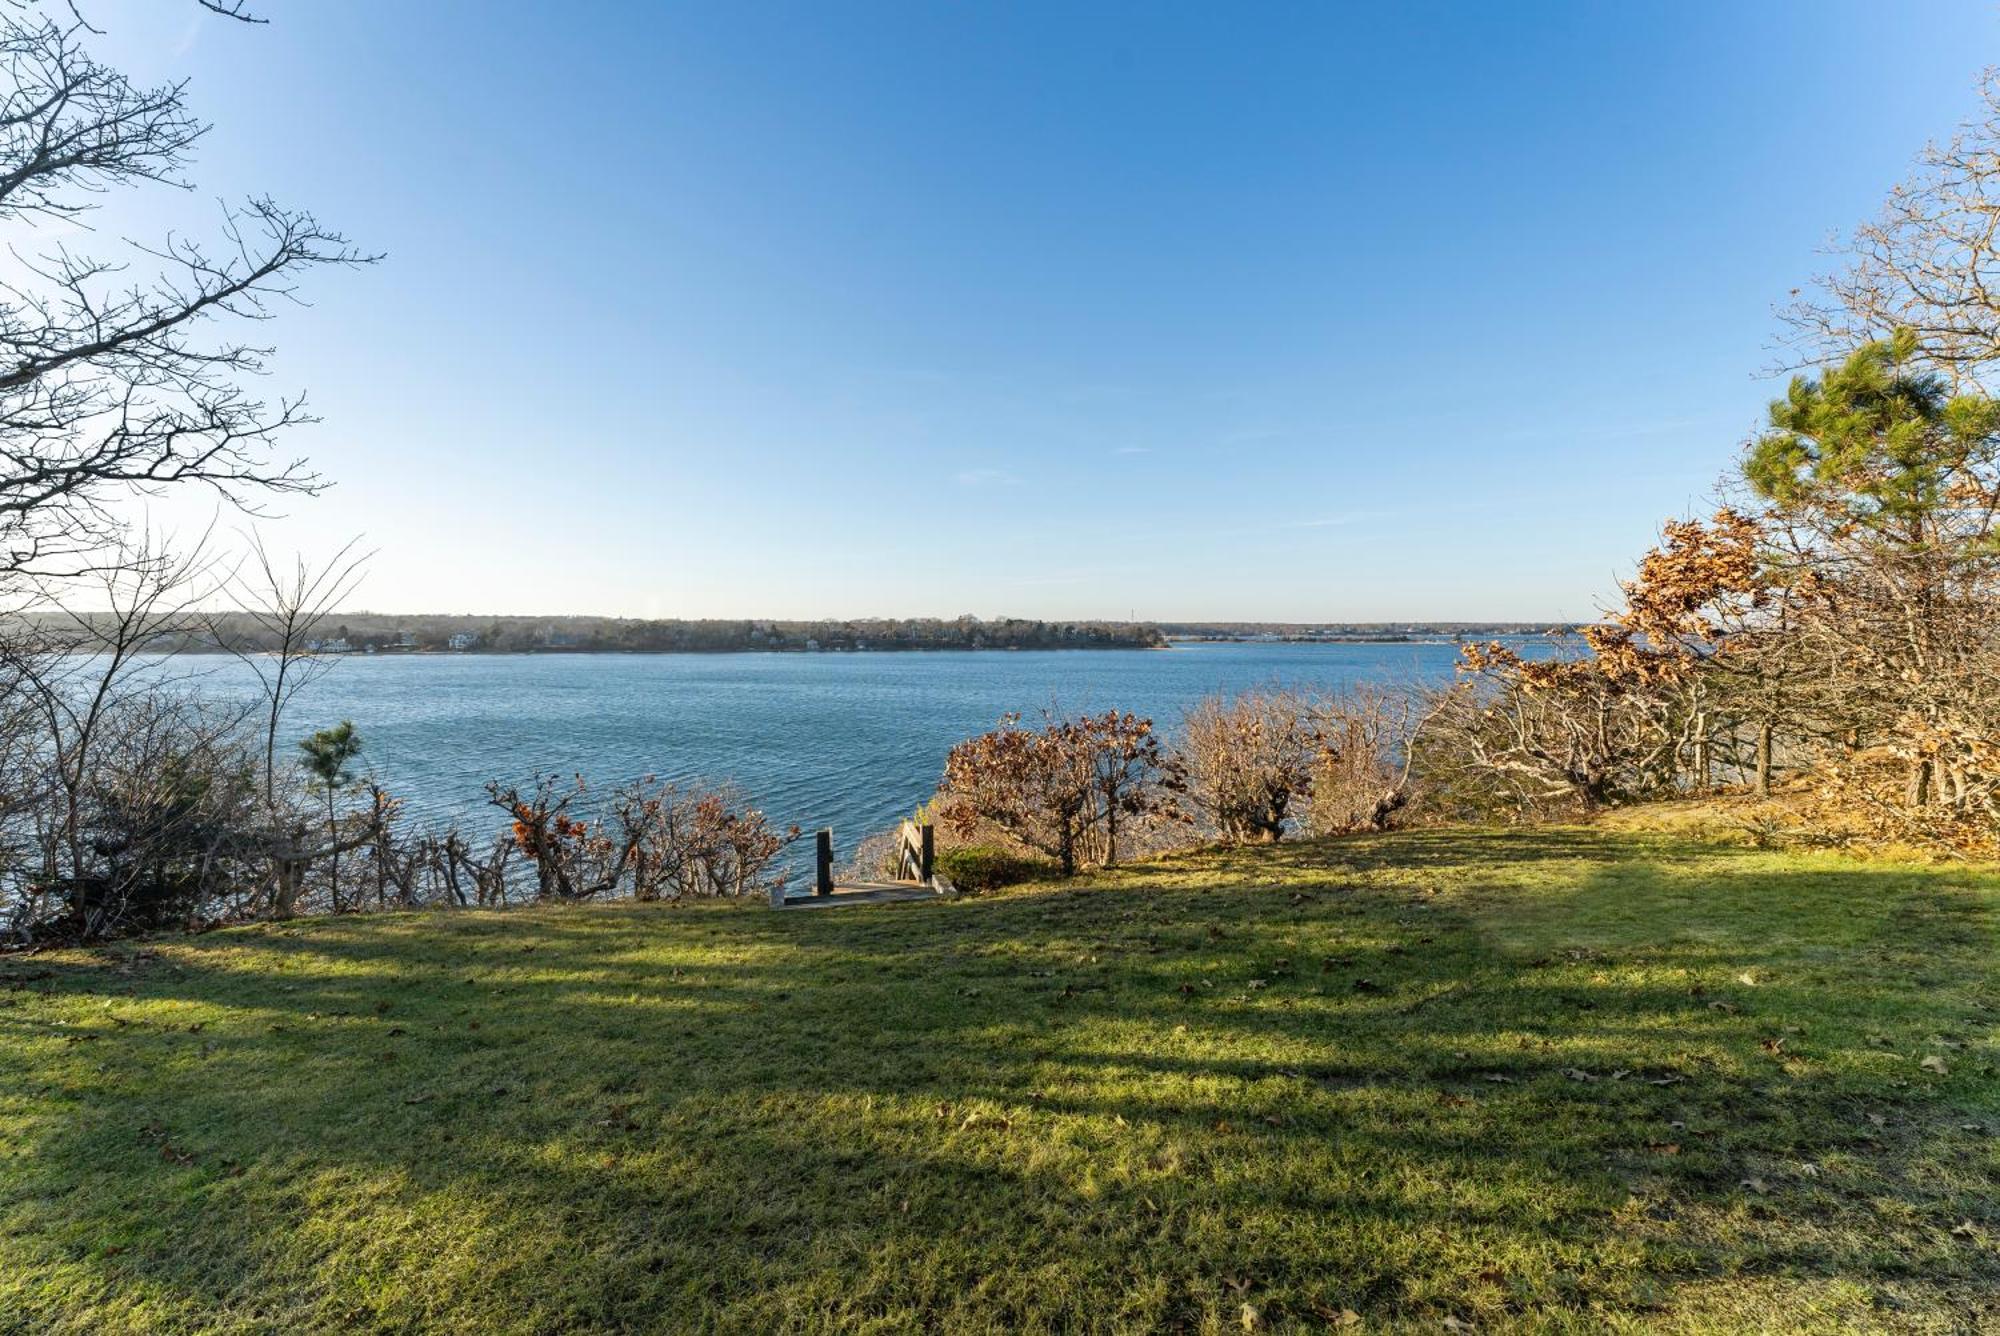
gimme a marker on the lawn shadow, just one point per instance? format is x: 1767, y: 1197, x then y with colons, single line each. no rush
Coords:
x: 1504, y: 1076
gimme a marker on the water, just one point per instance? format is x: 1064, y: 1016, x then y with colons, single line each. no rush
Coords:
x: 851, y: 741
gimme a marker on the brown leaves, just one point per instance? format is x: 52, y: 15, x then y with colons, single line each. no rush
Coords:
x: 1063, y: 789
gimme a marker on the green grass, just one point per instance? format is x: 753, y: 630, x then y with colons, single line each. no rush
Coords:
x: 1569, y: 1080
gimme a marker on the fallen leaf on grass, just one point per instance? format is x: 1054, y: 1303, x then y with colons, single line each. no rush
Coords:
x: 1578, y: 1074
x: 1934, y: 1063
x: 1336, y: 1317
x: 1497, y: 1078
x: 1664, y: 1147
x: 1756, y: 1185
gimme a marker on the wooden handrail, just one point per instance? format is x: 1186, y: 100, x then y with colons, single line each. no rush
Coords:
x: 916, y: 853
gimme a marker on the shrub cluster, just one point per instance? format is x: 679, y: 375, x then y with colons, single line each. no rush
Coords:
x: 973, y: 868
x: 1253, y: 768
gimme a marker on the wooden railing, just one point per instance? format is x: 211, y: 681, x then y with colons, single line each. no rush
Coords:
x: 916, y: 862
x: 916, y: 852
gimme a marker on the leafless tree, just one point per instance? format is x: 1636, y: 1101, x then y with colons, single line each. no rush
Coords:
x: 1929, y: 262
x: 124, y: 374
x: 279, y: 608
x: 76, y: 669
x: 1363, y: 771
x: 1249, y: 762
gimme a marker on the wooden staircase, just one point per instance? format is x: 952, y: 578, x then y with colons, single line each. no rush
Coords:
x: 916, y: 867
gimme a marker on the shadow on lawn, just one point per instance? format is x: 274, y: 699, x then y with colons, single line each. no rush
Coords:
x: 1359, y: 1088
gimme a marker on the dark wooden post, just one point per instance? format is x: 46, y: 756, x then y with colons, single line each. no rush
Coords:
x: 927, y: 862
x: 823, y: 872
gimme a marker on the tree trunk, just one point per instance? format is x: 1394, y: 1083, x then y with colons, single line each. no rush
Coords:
x: 287, y: 876
x: 1701, y: 766
x: 1764, y: 759
x: 1918, y: 792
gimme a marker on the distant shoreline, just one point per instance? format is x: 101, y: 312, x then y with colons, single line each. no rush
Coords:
x: 614, y: 651
x: 1169, y: 643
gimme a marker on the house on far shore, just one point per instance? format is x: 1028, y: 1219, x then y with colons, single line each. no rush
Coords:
x: 338, y: 645
x: 462, y: 640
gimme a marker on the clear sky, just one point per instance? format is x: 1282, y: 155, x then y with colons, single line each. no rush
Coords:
x: 1289, y: 312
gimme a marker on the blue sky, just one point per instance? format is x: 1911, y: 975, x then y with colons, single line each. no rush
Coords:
x: 1284, y: 312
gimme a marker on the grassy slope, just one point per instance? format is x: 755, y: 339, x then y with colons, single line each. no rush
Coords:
x: 1311, y: 1080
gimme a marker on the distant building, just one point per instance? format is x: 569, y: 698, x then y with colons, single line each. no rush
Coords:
x: 462, y: 640
x: 338, y: 645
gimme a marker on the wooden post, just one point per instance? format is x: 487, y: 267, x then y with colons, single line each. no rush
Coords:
x: 823, y: 873
x: 927, y: 862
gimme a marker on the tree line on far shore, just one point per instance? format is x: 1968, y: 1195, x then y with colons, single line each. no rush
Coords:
x: 229, y: 631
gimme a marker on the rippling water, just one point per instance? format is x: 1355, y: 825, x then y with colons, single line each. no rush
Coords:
x: 851, y: 741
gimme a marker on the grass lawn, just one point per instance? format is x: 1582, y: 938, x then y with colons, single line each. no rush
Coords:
x: 1559, y: 1079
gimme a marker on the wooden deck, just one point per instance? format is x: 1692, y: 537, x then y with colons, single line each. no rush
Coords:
x: 861, y: 893
x: 916, y: 868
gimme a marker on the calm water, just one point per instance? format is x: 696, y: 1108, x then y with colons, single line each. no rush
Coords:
x: 851, y: 741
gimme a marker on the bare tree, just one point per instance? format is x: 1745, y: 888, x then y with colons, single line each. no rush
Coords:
x: 1249, y: 762
x: 1363, y: 773
x: 1929, y: 262
x: 279, y: 611
x: 76, y: 670
x: 123, y: 375
x: 284, y: 605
